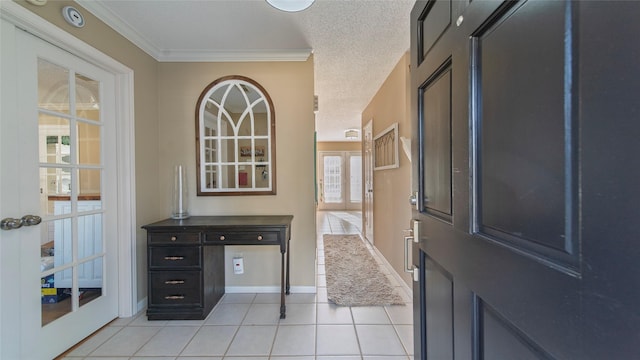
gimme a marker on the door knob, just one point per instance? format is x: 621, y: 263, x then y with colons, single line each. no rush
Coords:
x: 30, y: 220
x: 10, y: 223
x: 413, y: 200
x: 27, y: 220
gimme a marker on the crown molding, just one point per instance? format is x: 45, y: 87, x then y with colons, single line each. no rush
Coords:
x: 169, y: 55
x: 234, y: 55
x: 120, y: 26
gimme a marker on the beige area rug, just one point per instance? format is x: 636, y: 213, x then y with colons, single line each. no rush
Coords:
x: 353, y: 276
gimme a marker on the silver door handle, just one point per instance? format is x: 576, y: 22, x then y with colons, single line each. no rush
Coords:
x: 412, y: 269
x: 408, y: 243
x: 30, y: 220
x: 413, y: 200
x: 27, y: 220
x: 409, y: 239
x: 11, y: 224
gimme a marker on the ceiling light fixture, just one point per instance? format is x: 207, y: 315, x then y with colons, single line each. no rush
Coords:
x: 290, y: 5
x: 351, y: 134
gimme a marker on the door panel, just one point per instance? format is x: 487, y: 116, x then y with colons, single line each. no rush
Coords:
x: 436, y: 134
x: 435, y: 20
x: 525, y: 190
x: 529, y: 258
x: 438, y: 311
x: 501, y: 340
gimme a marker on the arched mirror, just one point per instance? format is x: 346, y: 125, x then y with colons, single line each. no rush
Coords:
x: 235, y: 139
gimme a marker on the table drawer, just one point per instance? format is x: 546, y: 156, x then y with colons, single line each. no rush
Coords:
x: 242, y: 238
x: 174, y: 256
x: 175, y: 288
x: 174, y: 237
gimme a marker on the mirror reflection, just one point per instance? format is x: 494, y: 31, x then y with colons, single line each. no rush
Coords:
x: 235, y: 139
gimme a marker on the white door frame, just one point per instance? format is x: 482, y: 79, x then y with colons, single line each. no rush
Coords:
x: 367, y: 181
x: 14, y: 15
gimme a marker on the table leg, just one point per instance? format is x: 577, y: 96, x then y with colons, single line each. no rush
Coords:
x: 283, y: 308
x: 288, y: 251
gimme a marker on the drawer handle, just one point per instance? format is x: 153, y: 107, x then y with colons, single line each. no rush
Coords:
x: 174, y: 238
x: 174, y: 297
x: 222, y: 238
x: 174, y: 258
x: 259, y: 237
x: 174, y: 282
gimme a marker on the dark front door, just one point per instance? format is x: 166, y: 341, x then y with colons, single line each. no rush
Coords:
x: 526, y: 132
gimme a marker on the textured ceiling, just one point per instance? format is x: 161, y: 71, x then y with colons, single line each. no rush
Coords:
x: 355, y: 43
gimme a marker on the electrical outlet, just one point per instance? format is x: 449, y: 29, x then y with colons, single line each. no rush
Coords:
x: 238, y: 265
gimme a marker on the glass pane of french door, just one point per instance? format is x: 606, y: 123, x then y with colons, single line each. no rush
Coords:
x: 332, y: 186
x: 355, y: 178
x: 70, y: 137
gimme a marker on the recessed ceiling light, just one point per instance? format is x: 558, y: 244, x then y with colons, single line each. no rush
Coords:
x: 290, y: 5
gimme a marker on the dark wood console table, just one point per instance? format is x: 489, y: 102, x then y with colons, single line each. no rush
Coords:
x: 186, y: 260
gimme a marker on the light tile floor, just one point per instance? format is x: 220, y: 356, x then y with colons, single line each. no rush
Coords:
x: 247, y: 326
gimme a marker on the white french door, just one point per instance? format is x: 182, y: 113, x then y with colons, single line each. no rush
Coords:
x: 340, y: 180
x: 60, y: 275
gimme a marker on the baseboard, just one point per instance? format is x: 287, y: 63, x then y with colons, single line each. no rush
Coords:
x: 268, y: 289
x: 142, y: 304
x: 394, y: 273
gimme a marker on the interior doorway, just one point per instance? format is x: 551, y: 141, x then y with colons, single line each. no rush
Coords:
x: 340, y: 180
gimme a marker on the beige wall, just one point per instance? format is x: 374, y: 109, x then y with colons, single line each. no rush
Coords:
x: 392, y: 187
x: 340, y: 146
x: 290, y: 86
x: 105, y: 39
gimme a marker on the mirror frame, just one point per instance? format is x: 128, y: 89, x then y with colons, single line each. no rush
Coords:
x: 206, y: 93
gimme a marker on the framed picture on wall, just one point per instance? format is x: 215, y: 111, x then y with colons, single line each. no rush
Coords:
x: 245, y: 151
x: 385, y: 149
